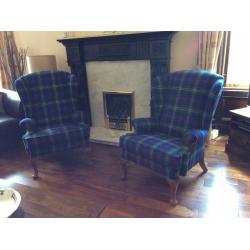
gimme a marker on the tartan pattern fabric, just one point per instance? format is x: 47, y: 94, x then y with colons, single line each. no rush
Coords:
x: 194, y: 147
x: 48, y: 97
x: 145, y: 125
x: 56, y: 138
x: 212, y: 103
x: 173, y: 140
x: 154, y: 151
x: 185, y: 100
x: 194, y: 136
x: 50, y: 102
x: 27, y: 123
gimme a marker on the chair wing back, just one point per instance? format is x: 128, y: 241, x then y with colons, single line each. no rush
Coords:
x: 185, y: 99
x: 48, y: 97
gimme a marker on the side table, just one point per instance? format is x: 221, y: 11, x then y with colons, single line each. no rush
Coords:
x: 239, y: 136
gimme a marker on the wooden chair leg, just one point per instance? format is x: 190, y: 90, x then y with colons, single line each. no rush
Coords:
x: 173, y: 190
x: 34, y: 165
x: 124, y: 170
x: 87, y: 154
x: 88, y: 150
x: 203, y: 166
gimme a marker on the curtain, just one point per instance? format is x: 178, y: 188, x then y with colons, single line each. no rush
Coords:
x: 222, y: 64
x: 208, y: 50
x: 12, y: 60
x: 5, y: 81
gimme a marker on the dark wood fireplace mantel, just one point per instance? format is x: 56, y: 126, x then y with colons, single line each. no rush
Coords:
x: 153, y: 46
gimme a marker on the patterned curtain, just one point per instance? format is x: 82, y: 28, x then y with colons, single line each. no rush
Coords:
x: 208, y: 52
x: 12, y: 60
x: 209, y: 48
x: 4, y: 77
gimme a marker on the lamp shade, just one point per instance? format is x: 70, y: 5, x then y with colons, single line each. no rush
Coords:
x: 41, y: 63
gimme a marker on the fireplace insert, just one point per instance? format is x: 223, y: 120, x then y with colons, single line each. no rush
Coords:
x: 118, y: 109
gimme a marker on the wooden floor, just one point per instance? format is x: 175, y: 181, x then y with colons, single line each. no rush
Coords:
x: 72, y: 185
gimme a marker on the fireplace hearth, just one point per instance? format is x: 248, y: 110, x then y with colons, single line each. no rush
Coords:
x: 118, y: 109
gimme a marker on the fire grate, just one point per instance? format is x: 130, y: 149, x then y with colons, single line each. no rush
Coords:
x: 118, y: 109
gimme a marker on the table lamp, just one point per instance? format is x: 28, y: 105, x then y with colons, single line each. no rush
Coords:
x: 41, y: 63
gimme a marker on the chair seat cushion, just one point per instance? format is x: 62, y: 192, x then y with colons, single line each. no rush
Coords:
x: 52, y: 139
x: 159, y: 152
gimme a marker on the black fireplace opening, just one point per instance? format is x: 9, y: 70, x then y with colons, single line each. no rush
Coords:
x: 118, y: 109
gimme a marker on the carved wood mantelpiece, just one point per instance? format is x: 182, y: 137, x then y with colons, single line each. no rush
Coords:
x: 153, y: 46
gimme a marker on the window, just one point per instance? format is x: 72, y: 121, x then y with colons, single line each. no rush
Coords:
x: 238, y: 60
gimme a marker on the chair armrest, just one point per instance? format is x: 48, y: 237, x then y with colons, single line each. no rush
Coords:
x: 11, y: 103
x: 145, y: 125
x: 194, y: 137
x: 28, y: 124
x: 2, y: 110
x: 78, y: 116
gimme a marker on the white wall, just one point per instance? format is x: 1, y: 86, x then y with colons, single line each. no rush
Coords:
x: 183, y: 49
x: 43, y: 43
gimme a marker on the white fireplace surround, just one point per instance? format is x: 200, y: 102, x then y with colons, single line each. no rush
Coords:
x: 103, y: 76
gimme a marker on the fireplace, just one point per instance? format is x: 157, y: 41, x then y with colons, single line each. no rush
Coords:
x: 152, y: 46
x: 125, y: 62
x: 118, y: 109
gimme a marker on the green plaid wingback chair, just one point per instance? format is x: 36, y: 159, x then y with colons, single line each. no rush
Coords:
x: 52, y: 117
x: 172, y: 140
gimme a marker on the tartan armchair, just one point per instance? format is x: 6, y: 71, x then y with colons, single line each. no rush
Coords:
x: 172, y: 140
x: 52, y: 119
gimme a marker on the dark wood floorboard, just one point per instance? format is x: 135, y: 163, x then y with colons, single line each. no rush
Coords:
x: 73, y: 184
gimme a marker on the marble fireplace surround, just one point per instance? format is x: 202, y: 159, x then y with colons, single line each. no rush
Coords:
x: 116, y: 63
x: 130, y: 76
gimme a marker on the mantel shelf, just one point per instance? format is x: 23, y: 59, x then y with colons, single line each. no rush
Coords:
x: 110, y: 36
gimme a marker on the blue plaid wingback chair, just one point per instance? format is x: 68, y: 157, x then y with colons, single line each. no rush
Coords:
x: 172, y: 140
x: 52, y: 118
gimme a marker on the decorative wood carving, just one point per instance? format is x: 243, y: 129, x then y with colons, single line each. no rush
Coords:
x: 153, y: 46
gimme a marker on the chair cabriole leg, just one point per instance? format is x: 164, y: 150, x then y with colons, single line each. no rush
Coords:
x: 173, y: 190
x: 87, y: 152
x: 203, y: 166
x: 34, y: 165
x: 124, y: 170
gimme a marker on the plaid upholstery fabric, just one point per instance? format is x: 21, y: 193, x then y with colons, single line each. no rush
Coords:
x: 173, y: 139
x: 194, y: 137
x: 50, y: 101
x: 156, y: 152
x: 48, y: 97
x: 185, y: 100
x: 212, y: 102
x: 27, y: 123
x: 145, y: 125
x: 56, y: 138
x: 194, y: 146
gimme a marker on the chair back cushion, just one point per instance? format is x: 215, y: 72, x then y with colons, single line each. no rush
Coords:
x: 48, y: 97
x: 185, y: 100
